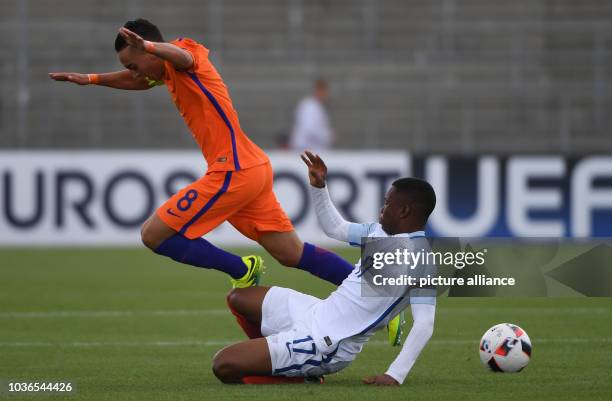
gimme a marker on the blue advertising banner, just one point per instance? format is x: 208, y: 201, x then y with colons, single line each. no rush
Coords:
x: 519, y: 196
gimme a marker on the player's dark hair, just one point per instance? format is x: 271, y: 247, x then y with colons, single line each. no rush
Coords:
x: 418, y: 192
x: 142, y: 27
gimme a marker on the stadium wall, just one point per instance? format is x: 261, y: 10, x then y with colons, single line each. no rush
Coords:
x: 443, y: 76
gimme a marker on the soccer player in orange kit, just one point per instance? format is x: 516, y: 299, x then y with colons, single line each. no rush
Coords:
x: 237, y: 186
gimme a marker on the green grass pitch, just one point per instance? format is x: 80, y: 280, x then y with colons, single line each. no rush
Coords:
x: 125, y: 324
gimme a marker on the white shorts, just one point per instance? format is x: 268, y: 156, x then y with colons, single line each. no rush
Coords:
x: 286, y: 327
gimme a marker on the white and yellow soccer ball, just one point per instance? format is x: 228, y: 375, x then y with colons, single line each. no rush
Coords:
x: 505, y: 347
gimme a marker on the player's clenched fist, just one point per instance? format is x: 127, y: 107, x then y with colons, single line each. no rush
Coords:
x: 317, y: 170
x: 80, y: 79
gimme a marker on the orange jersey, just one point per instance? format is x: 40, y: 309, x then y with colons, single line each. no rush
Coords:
x: 204, y: 102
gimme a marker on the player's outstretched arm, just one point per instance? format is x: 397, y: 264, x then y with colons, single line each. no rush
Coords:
x: 330, y: 219
x: 423, y: 316
x: 180, y: 58
x: 118, y: 80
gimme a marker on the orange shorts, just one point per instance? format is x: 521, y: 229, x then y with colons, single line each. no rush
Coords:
x: 244, y: 198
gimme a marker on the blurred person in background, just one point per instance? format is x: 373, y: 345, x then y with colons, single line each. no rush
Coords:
x: 311, y: 128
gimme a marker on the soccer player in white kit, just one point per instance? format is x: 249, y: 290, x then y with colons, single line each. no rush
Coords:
x: 296, y: 336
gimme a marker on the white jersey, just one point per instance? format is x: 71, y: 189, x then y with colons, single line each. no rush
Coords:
x: 346, y: 313
x: 347, y: 317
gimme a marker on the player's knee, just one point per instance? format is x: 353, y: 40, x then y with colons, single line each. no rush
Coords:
x: 233, y: 299
x: 225, y: 368
x: 236, y: 300
x: 148, y: 237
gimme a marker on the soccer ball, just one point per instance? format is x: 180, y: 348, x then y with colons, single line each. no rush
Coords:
x: 505, y: 347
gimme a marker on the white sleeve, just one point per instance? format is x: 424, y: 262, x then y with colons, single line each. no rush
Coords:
x: 420, y: 333
x: 332, y: 222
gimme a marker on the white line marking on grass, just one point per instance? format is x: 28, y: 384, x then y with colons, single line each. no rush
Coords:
x: 209, y: 312
x: 112, y: 313
x: 217, y: 343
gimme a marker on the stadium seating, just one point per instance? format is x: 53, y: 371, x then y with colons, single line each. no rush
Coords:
x: 426, y: 75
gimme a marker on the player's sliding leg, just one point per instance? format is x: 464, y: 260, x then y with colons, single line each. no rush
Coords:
x: 163, y: 240
x: 249, y: 362
x: 248, y: 358
x: 289, y: 250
